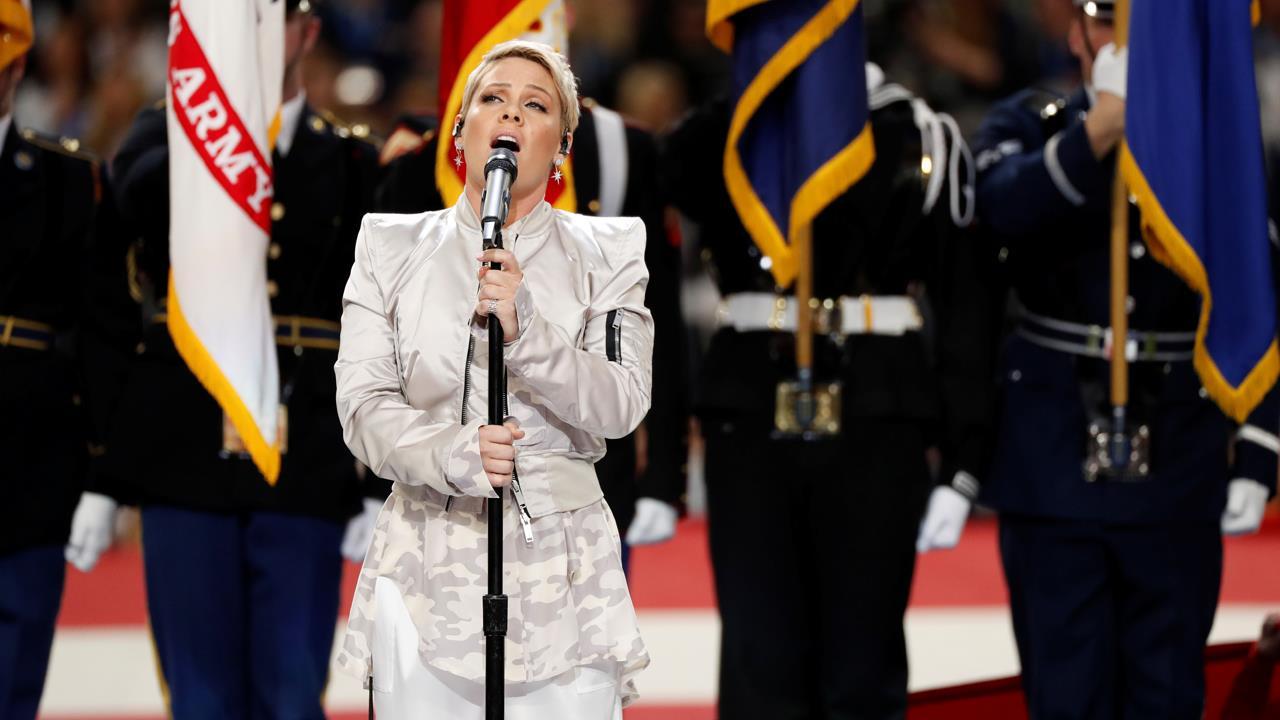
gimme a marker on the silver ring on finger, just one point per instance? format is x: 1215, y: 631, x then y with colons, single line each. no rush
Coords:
x: 493, y: 307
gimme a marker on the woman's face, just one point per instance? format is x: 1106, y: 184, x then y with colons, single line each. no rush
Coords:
x: 515, y: 102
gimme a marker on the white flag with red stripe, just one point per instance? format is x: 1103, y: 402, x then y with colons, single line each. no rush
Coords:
x: 225, y: 76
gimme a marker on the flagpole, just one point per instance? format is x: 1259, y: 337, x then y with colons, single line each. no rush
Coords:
x: 804, y: 324
x: 1119, y: 322
x: 1120, y: 445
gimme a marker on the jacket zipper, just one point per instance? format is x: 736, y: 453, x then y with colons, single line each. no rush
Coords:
x: 466, y: 393
x: 466, y: 375
x: 517, y: 492
x: 613, y: 336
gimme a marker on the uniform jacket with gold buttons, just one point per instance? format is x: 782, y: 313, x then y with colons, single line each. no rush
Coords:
x: 49, y: 243
x: 169, y: 430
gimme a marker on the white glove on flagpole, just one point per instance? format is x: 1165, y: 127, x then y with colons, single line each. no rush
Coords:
x: 93, y: 528
x: 1111, y: 70
x: 944, y: 520
x: 1246, y: 503
x: 359, y: 533
x: 655, y: 522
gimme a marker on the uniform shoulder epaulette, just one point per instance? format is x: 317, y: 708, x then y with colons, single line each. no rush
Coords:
x: 69, y: 147
x: 327, y: 120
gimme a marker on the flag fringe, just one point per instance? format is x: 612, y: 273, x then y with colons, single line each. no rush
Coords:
x: 265, y: 455
x: 828, y: 182
x: 1171, y: 249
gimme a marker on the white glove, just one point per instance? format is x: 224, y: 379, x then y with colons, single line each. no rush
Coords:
x: 1111, y: 70
x: 1246, y: 502
x: 944, y: 520
x: 355, y: 541
x: 93, y: 528
x: 655, y: 522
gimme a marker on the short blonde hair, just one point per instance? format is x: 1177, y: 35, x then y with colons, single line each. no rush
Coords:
x: 566, y: 85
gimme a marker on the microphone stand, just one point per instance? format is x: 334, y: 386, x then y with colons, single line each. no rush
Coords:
x: 494, y: 209
x: 495, y: 602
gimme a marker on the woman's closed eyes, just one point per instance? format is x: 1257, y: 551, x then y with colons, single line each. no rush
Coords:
x: 532, y: 104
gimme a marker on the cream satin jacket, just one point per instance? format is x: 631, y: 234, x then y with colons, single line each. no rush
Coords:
x: 579, y: 372
x: 412, y: 384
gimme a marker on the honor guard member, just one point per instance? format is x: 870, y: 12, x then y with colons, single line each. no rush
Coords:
x: 1113, y: 578
x: 243, y: 578
x: 614, y: 174
x: 813, y: 540
x: 54, y: 232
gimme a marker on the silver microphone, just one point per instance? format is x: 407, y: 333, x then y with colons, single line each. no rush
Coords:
x: 499, y: 174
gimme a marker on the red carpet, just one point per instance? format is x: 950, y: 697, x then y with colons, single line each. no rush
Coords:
x: 678, y: 575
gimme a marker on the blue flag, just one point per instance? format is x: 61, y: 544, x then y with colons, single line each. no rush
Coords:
x: 799, y: 135
x: 1195, y: 162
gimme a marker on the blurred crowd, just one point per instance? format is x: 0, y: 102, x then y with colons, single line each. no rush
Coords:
x: 97, y: 62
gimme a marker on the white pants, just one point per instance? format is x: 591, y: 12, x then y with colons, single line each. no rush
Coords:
x: 405, y: 688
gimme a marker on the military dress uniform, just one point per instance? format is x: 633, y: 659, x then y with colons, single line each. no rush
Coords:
x: 813, y: 541
x: 243, y: 577
x: 614, y: 174
x: 49, y: 243
x: 1113, y: 582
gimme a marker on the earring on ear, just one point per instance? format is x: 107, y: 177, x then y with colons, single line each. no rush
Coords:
x: 556, y: 174
x: 457, y: 143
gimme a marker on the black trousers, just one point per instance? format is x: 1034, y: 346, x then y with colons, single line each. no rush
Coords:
x: 813, y: 549
x: 1111, y: 621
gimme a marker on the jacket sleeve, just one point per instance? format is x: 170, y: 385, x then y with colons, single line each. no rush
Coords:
x: 110, y: 331
x: 664, y: 474
x: 394, y: 439
x: 1027, y: 183
x: 1258, y: 442
x: 967, y: 307
x: 604, y: 385
x: 1258, y: 439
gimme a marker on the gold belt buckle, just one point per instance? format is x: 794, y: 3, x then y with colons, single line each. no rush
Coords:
x: 1099, y: 463
x: 807, y: 412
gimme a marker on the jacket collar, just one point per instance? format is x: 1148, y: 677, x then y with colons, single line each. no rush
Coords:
x: 524, y: 236
x: 291, y: 113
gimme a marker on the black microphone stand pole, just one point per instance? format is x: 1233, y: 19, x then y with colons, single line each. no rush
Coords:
x: 495, y: 601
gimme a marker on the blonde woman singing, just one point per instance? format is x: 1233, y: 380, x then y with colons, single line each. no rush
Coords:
x: 412, y: 385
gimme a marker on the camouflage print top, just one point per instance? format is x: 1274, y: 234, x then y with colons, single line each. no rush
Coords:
x: 412, y: 379
x: 569, y: 600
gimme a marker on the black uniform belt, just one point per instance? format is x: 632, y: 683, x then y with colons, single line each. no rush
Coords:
x: 295, y: 331
x: 16, y: 332
x: 1095, y: 341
